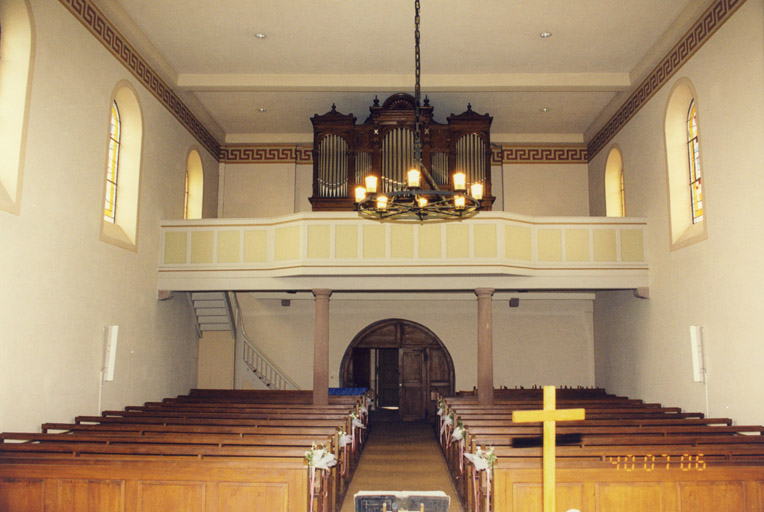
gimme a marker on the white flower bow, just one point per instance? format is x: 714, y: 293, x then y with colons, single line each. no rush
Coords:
x: 479, y: 462
x: 345, y: 440
x: 458, y: 434
x: 322, y: 459
x: 447, y: 422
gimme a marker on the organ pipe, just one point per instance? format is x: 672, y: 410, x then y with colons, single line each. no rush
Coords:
x: 333, y: 167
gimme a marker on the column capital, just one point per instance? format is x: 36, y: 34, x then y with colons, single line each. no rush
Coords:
x: 322, y: 292
x: 484, y: 292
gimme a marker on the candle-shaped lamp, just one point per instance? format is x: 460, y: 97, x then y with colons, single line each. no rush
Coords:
x: 381, y: 203
x: 477, y: 191
x: 360, y: 194
x: 414, y: 178
x: 460, y: 181
x: 371, y: 184
x: 459, y: 202
x: 422, y: 202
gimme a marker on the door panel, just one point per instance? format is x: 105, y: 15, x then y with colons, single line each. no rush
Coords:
x: 361, y: 367
x: 413, y: 381
x: 387, y: 377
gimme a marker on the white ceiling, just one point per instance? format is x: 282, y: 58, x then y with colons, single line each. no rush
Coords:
x: 485, y: 52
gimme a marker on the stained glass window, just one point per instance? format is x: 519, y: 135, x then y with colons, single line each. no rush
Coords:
x: 112, y: 165
x: 693, y: 148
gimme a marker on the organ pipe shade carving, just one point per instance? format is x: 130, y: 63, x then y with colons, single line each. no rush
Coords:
x: 333, y: 167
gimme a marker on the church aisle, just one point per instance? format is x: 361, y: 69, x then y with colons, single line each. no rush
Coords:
x: 401, y: 457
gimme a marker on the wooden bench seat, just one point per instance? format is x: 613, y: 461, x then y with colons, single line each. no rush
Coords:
x: 163, y: 420
x: 637, y: 456
x: 179, y: 438
x: 308, y: 416
x: 119, y: 484
x: 185, y: 454
x: 107, y: 428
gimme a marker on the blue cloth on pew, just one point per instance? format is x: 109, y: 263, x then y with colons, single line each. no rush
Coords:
x: 347, y: 391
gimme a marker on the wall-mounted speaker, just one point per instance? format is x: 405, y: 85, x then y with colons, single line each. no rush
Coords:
x: 696, y: 345
x: 110, y: 351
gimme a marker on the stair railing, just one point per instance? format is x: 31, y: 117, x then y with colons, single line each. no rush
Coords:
x: 266, y: 370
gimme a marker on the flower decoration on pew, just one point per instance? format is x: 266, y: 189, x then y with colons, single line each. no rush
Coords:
x: 355, y: 421
x: 441, y: 407
x: 482, y: 460
x: 320, y: 458
x: 448, y: 421
x: 343, y: 438
x: 459, y: 432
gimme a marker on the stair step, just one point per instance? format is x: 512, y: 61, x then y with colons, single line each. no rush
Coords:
x: 208, y: 296
x: 206, y: 304
x: 214, y: 327
x: 213, y: 319
x: 212, y: 311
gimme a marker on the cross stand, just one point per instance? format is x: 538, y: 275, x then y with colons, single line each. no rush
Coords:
x: 549, y: 415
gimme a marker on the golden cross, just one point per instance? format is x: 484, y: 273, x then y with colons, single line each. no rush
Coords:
x: 549, y: 416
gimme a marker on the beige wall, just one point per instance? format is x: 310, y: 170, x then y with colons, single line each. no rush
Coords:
x: 216, y: 360
x: 541, y: 342
x: 258, y: 190
x: 269, y: 190
x: 643, y: 346
x: 545, y: 189
x: 61, y: 285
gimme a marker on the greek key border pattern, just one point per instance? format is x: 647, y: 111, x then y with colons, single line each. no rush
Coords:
x: 500, y: 154
x: 266, y: 154
x: 115, y: 42
x: 540, y: 154
x: 714, y: 17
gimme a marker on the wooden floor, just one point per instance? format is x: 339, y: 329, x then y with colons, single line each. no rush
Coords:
x: 401, y: 457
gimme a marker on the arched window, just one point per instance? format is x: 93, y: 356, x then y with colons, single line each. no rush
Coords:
x: 112, y: 165
x: 687, y: 208
x: 16, y: 50
x: 194, y: 190
x: 615, y: 204
x: 122, y: 169
x: 693, y: 148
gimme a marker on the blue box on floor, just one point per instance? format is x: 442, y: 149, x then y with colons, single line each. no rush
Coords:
x: 401, y: 501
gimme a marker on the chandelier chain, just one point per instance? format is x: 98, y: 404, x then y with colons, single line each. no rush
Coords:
x: 417, y: 89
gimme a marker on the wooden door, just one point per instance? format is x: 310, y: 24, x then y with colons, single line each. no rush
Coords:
x: 413, y: 385
x: 361, y: 367
x: 388, y: 379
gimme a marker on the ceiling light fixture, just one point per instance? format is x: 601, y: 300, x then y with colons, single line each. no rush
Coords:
x: 545, y: 35
x: 260, y: 35
x: 415, y: 203
x: 262, y: 109
x: 544, y: 109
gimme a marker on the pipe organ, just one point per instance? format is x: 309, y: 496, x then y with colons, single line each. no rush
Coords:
x: 344, y: 152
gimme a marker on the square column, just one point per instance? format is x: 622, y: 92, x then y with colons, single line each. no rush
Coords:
x: 321, y: 348
x: 485, y: 346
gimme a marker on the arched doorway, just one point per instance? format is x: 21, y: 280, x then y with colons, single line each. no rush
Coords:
x: 402, y: 361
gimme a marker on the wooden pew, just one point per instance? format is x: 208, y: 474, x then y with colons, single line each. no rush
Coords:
x: 203, y: 456
x: 653, y: 458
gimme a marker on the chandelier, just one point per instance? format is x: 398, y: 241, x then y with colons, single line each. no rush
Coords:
x: 415, y: 202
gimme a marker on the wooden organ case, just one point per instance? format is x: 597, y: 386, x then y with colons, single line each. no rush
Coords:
x: 344, y: 152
